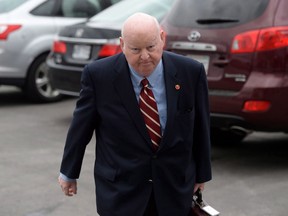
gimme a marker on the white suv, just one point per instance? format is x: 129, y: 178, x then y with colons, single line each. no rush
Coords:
x: 27, y: 30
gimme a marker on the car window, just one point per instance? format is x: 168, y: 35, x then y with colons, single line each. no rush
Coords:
x: 68, y: 8
x: 84, y: 8
x: 124, y: 9
x: 8, y: 5
x: 45, y: 9
x: 80, y: 8
x: 215, y: 13
x: 114, y: 1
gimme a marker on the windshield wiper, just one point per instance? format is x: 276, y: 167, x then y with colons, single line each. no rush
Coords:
x: 215, y: 21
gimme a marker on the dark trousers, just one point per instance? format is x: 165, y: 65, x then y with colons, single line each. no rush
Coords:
x: 151, y: 209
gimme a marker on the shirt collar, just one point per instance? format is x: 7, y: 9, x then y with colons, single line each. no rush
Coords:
x: 154, y: 78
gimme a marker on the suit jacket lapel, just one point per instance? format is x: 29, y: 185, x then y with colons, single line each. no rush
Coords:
x: 126, y: 92
x: 172, y: 92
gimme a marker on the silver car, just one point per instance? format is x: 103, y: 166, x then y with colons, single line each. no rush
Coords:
x: 27, y: 30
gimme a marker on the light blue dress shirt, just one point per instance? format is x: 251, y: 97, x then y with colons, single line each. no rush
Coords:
x: 157, y: 85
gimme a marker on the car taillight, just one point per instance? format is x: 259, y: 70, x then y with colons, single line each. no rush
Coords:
x: 256, y: 106
x: 260, y: 40
x: 5, y: 30
x: 59, y: 47
x: 272, y: 38
x: 245, y: 42
x: 109, y: 50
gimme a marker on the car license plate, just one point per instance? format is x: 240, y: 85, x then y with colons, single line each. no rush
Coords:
x: 81, y: 52
x: 204, y: 59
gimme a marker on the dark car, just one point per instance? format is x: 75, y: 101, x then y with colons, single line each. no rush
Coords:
x: 98, y: 38
x: 244, y: 48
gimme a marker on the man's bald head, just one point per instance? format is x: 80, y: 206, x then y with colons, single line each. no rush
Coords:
x: 140, y: 23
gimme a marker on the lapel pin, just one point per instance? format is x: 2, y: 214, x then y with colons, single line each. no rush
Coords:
x: 177, y: 87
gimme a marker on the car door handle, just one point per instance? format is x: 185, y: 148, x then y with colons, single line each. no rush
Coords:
x: 221, y: 62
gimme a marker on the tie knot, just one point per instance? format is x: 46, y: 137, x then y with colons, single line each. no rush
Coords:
x: 145, y: 83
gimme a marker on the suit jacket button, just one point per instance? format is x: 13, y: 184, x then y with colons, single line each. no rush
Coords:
x: 150, y: 181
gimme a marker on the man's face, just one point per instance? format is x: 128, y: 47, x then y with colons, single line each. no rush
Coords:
x: 143, y: 51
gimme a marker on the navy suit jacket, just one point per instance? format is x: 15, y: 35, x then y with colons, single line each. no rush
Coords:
x: 126, y: 169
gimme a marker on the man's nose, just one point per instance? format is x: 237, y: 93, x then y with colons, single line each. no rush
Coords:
x: 144, y: 55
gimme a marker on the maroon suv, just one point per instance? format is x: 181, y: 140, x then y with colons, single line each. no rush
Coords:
x: 244, y: 48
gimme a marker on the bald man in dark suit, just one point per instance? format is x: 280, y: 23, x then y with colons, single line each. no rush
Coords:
x: 132, y: 177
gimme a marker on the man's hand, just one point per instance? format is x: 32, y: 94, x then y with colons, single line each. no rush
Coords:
x: 68, y: 188
x: 199, y: 185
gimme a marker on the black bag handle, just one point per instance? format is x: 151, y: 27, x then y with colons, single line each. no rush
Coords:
x: 198, y: 201
x: 197, y: 197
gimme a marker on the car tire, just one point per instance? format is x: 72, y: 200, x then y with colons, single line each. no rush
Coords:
x: 226, y: 137
x: 38, y: 87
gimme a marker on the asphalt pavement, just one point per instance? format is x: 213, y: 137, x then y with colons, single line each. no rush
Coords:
x: 249, y: 179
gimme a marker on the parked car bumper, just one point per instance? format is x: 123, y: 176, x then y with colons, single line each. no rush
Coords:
x: 64, y: 78
x: 227, y: 107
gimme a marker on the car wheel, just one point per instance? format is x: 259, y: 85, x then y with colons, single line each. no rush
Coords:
x: 38, y: 87
x: 226, y: 137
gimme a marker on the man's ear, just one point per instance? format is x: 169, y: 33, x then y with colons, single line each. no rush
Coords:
x: 122, y: 44
x: 163, y: 37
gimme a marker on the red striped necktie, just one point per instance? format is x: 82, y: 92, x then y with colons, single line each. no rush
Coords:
x: 150, y: 114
